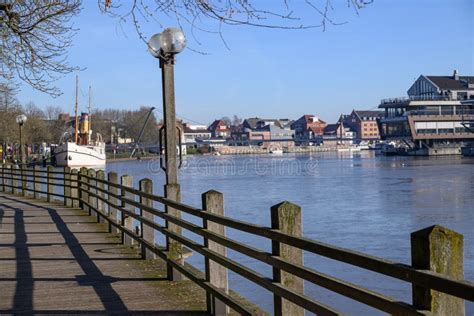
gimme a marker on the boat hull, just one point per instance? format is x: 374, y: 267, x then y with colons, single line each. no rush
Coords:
x: 77, y: 156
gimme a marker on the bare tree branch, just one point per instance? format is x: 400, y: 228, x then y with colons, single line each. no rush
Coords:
x: 35, y: 38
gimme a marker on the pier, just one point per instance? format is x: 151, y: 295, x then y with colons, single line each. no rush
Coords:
x: 75, y: 242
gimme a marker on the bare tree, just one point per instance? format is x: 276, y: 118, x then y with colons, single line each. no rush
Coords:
x: 37, y: 34
x: 236, y: 120
x: 8, y: 98
x: 35, y: 38
x: 195, y: 14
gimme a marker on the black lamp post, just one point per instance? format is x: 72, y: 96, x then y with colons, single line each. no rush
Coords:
x: 21, y: 119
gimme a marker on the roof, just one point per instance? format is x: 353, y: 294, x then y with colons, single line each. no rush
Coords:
x: 369, y: 113
x: 307, y: 118
x: 331, y: 128
x: 449, y: 83
x: 216, y: 123
x: 188, y: 130
x: 252, y: 122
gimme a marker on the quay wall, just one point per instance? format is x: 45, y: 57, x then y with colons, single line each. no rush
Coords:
x: 246, y: 150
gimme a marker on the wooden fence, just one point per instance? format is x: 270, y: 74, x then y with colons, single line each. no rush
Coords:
x: 436, y: 272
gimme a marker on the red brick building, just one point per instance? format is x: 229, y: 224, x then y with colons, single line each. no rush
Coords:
x: 308, y: 127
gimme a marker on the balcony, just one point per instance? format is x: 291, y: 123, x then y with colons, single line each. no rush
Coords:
x: 408, y: 99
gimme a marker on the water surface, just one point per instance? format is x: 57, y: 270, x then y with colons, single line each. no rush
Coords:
x: 356, y: 200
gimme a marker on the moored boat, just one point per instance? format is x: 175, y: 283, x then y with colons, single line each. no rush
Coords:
x: 77, y: 149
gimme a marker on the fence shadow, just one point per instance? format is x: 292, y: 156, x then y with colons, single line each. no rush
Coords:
x: 23, y: 301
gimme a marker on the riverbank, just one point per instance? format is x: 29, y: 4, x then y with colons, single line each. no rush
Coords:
x: 252, y: 150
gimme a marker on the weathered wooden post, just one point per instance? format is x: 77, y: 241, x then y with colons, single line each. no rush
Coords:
x: 92, y: 200
x: 148, y: 233
x: 213, y: 202
x: 24, y: 183
x: 174, y: 248
x: 75, y: 188
x: 2, y: 184
x: 112, y: 178
x: 67, y: 186
x: 286, y: 217
x: 126, y: 220
x: 100, y: 203
x: 10, y: 178
x: 83, y: 189
x: 440, y: 250
x: 50, y: 183
x: 36, y: 179
x: 16, y: 174
x: 6, y: 177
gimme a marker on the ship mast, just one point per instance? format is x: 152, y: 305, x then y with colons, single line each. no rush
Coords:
x: 76, y: 123
x: 89, y: 108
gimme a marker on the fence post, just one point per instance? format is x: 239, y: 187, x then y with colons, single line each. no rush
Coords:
x: 9, y: 179
x: 17, y: 180
x: 75, y: 188
x: 83, y: 189
x: 100, y: 204
x: 67, y: 186
x: 213, y: 202
x: 36, y: 186
x: 112, y: 178
x: 286, y: 217
x: 24, y: 183
x: 91, y: 199
x: 50, y: 183
x: 127, y: 221
x: 147, y: 232
x: 440, y: 250
x: 174, y: 248
x: 3, y: 178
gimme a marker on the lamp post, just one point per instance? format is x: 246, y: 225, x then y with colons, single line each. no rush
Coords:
x: 21, y: 119
x: 165, y: 46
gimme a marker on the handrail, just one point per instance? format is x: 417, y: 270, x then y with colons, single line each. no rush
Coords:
x: 89, y: 186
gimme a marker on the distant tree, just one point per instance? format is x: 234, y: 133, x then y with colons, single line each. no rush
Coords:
x: 36, y: 127
x: 227, y: 120
x: 56, y: 126
x: 9, y: 109
x: 236, y: 121
x: 8, y: 98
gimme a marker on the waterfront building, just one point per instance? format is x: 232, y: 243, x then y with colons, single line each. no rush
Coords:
x: 255, y: 122
x: 193, y: 133
x: 433, y: 119
x: 258, y: 131
x: 219, y: 129
x: 364, y: 124
x: 308, y: 129
x: 338, y: 134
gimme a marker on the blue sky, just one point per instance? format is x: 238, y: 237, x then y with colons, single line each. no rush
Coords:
x: 274, y: 73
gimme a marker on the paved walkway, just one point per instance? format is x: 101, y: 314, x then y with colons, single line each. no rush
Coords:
x: 58, y: 260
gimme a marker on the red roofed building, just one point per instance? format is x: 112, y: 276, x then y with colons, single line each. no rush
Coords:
x: 308, y: 128
x: 219, y: 128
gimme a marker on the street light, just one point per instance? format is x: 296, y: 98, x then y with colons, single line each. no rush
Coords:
x: 20, y: 120
x: 165, y: 46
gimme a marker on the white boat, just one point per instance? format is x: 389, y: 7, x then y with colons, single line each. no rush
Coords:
x: 70, y: 154
x: 276, y: 151
x: 348, y: 149
x: 76, y: 148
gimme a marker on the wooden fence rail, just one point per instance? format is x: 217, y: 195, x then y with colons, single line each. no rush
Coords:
x: 436, y: 272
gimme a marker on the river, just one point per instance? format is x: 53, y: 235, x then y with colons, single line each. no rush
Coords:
x: 359, y: 201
